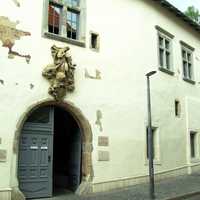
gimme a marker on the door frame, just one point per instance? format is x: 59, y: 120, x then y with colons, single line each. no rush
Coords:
x: 86, y: 139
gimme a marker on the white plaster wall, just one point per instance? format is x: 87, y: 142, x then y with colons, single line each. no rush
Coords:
x: 128, y: 50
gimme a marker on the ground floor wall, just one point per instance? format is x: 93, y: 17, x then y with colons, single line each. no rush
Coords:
x: 15, y: 194
x: 116, y: 147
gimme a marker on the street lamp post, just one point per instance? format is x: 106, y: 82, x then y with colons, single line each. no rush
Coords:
x: 150, y: 139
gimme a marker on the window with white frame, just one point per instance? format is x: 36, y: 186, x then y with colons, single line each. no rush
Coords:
x: 73, y: 16
x: 193, y: 144
x: 65, y: 21
x: 165, y: 51
x: 187, y: 63
x: 54, y: 18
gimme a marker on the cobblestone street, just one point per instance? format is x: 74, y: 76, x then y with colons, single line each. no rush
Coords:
x: 174, y: 188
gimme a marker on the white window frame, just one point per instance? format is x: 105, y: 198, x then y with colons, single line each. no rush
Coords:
x: 166, y: 36
x: 62, y: 36
x: 188, y: 50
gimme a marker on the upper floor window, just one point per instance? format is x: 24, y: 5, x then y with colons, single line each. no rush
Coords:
x: 73, y: 3
x: 72, y: 24
x: 165, y: 50
x: 187, y: 62
x: 65, y: 21
x: 165, y: 59
x: 54, y: 18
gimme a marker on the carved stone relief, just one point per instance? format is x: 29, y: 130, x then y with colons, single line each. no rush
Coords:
x: 98, y: 122
x: 8, y: 35
x: 60, y: 74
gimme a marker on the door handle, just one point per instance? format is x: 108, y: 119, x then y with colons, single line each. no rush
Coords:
x: 49, y: 158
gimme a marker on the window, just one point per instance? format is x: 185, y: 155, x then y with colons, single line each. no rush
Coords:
x: 54, y: 19
x: 41, y: 115
x: 165, y: 55
x: 72, y: 24
x: 177, y: 108
x: 187, y: 62
x: 94, y: 41
x: 193, y: 144
x: 65, y: 21
x: 154, y: 142
x: 165, y: 50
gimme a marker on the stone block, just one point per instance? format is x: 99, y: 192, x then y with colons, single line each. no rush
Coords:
x: 103, y: 141
x: 103, y: 156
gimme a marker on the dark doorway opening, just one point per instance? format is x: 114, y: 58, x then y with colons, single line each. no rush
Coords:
x: 66, y: 152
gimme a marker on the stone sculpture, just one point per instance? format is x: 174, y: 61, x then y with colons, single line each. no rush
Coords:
x: 61, y: 73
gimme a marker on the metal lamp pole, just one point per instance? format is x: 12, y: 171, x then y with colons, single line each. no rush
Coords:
x: 150, y: 139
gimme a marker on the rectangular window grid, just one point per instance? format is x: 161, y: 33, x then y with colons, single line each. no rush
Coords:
x: 187, y: 63
x: 54, y: 19
x: 72, y: 24
x: 165, y: 55
x: 73, y: 3
x: 71, y: 17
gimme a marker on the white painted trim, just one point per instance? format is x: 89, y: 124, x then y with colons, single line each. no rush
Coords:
x: 5, y: 189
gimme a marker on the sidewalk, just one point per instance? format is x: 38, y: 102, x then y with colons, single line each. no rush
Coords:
x: 170, y: 189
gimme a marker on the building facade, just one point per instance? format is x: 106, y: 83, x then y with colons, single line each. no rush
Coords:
x: 85, y: 129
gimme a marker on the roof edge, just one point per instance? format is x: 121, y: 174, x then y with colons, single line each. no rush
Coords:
x: 180, y: 14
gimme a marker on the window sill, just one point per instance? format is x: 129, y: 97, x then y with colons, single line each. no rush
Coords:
x: 189, y: 80
x: 166, y: 71
x: 63, y: 39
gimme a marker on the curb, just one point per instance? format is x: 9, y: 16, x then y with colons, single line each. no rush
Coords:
x: 187, y: 195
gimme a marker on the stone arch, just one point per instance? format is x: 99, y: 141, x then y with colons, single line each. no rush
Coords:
x: 87, y: 147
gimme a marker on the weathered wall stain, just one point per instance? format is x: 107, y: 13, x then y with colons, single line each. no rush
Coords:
x: 16, y: 2
x: 2, y: 81
x: 97, y: 76
x: 31, y: 86
x: 98, y: 120
x: 8, y: 35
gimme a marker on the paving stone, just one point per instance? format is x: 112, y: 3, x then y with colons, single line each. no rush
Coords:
x: 165, y: 189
